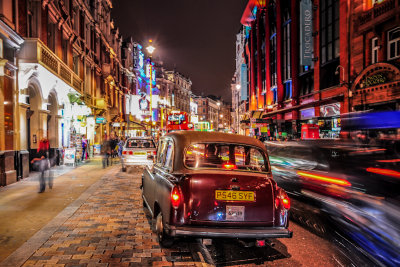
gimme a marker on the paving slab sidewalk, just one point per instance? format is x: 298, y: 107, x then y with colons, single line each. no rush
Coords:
x: 23, y: 212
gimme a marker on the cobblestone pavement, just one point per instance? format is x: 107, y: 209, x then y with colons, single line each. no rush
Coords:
x: 111, y: 228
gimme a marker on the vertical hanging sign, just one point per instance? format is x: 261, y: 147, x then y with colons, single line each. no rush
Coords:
x: 306, y: 43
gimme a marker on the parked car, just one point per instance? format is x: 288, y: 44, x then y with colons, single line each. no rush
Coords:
x: 138, y: 151
x: 214, y: 185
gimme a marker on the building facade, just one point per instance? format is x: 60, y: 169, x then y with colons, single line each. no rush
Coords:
x: 64, y: 77
x: 10, y: 43
x: 297, y: 65
x: 375, y: 55
x: 181, y: 91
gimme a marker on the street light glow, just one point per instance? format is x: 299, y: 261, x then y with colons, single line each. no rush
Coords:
x: 150, y: 49
x: 238, y: 86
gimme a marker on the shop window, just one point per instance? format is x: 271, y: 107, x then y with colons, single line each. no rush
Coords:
x: 394, y: 43
x: 374, y: 50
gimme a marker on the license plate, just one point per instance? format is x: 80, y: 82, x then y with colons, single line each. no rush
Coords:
x: 234, y: 195
x: 140, y: 153
x: 234, y: 213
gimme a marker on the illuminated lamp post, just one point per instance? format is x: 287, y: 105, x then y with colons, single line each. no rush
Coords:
x: 218, y: 104
x: 151, y: 49
x: 237, y: 107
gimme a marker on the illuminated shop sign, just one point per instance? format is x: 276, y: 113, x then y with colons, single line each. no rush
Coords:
x: 374, y: 80
x: 148, y: 69
x: 140, y: 105
x: 330, y: 110
x: 101, y: 120
x: 138, y: 56
x: 307, y: 113
x: 306, y: 39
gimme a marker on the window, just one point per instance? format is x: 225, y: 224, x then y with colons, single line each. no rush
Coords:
x: 161, y: 153
x: 329, y: 28
x: 51, y: 36
x: 287, y: 72
x: 226, y: 156
x: 272, y: 40
x: 273, y: 57
x: 64, y: 45
x: 139, y: 143
x: 394, y: 43
x: 169, y: 155
x: 374, y: 50
x: 275, y: 96
x: 76, y: 64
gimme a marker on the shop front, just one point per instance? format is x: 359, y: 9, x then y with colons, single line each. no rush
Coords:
x: 306, y: 116
x: 329, y: 121
x: 77, y: 129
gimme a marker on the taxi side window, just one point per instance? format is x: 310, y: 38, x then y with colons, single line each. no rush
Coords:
x: 169, y: 155
x: 161, y: 153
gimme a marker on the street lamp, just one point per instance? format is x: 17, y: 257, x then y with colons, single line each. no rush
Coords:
x: 238, y: 87
x: 151, y: 49
x: 218, y: 104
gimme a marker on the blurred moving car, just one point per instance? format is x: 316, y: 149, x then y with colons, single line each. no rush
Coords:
x: 138, y: 151
x: 214, y: 185
x: 352, y: 189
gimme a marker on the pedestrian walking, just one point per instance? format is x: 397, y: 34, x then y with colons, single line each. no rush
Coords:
x: 42, y: 164
x: 84, y: 147
x: 105, y: 153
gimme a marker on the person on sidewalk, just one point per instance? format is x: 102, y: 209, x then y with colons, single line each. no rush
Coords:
x: 84, y: 148
x: 42, y: 164
x: 106, y: 153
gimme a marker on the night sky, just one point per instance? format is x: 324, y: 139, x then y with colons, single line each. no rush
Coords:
x: 195, y: 36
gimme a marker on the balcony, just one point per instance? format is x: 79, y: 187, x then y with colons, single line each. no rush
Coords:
x: 376, y: 15
x: 35, y: 51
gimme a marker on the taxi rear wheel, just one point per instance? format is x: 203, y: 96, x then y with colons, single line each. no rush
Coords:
x: 164, y: 239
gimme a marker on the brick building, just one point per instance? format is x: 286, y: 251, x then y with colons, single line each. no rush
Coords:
x: 375, y: 55
x: 292, y: 52
x: 313, y: 61
x: 64, y: 75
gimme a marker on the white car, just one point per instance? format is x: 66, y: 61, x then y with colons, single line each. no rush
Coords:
x: 138, y: 151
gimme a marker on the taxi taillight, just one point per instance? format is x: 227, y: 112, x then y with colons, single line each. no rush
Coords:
x: 176, y: 197
x: 282, y: 199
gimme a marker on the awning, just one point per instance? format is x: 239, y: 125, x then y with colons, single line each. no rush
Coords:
x: 257, y: 114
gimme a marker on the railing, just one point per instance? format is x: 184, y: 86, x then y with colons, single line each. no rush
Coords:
x: 377, y: 14
x: 35, y: 51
